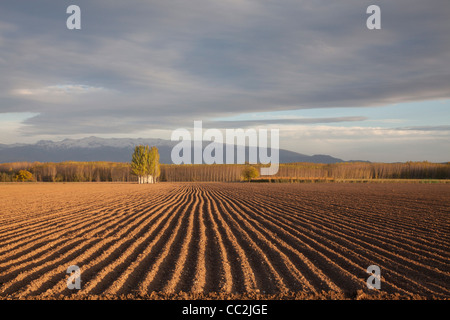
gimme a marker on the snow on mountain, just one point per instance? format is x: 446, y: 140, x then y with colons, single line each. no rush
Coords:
x: 95, y: 142
x: 115, y: 150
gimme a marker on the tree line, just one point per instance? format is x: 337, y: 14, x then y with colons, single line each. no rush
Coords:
x: 69, y: 171
x: 124, y: 172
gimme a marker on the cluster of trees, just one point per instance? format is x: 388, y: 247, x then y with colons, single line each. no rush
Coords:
x: 345, y: 170
x: 367, y: 170
x: 146, y: 163
x: 145, y: 167
x: 69, y: 171
x: 202, y: 172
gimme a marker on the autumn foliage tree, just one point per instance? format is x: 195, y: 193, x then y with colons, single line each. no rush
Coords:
x: 152, y: 166
x: 23, y: 175
x: 145, y: 164
x: 250, y: 173
x: 138, y: 162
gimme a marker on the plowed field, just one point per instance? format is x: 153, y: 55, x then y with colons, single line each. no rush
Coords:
x: 226, y: 240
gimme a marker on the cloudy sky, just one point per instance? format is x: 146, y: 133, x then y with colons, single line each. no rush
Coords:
x: 310, y: 68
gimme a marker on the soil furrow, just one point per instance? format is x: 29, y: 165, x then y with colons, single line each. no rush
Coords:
x: 111, y: 248
x: 109, y: 268
x: 217, y: 258
x: 224, y: 239
x: 386, y: 256
x: 244, y: 277
x: 164, y: 268
x: 268, y: 279
x: 345, y: 252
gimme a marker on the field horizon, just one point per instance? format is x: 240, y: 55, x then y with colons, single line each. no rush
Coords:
x: 121, y: 172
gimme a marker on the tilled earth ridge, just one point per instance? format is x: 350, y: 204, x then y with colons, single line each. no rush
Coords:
x: 224, y: 240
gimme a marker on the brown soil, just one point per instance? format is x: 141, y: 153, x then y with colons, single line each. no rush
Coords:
x: 224, y: 240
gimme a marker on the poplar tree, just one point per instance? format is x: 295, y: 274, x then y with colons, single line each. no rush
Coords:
x: 153, y: 167
x: 145, y: 164
x: 138, y: 162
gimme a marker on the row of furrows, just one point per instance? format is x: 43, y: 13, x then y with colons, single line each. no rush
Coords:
x: 327, y: 219
x: 320, y: 217
x: 60, y: 252
x: 86, y: 225
x: 222, y: 238
x: 63, y: 215
x: 102, y: 273
x: 367, y: 207
x: 369, y: 223
x: 350, y: 246
x: 392, y: 205
x: 46, y: 206
x: 315, y: 270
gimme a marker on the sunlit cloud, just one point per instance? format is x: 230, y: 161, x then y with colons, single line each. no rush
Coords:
x: 66, y: 89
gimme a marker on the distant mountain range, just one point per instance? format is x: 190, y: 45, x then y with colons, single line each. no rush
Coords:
x: 115, y: 150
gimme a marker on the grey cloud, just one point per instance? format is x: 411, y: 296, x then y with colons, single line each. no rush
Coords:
x: 300, y: 121
x: 164, y: 64
x: 426, y: 128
